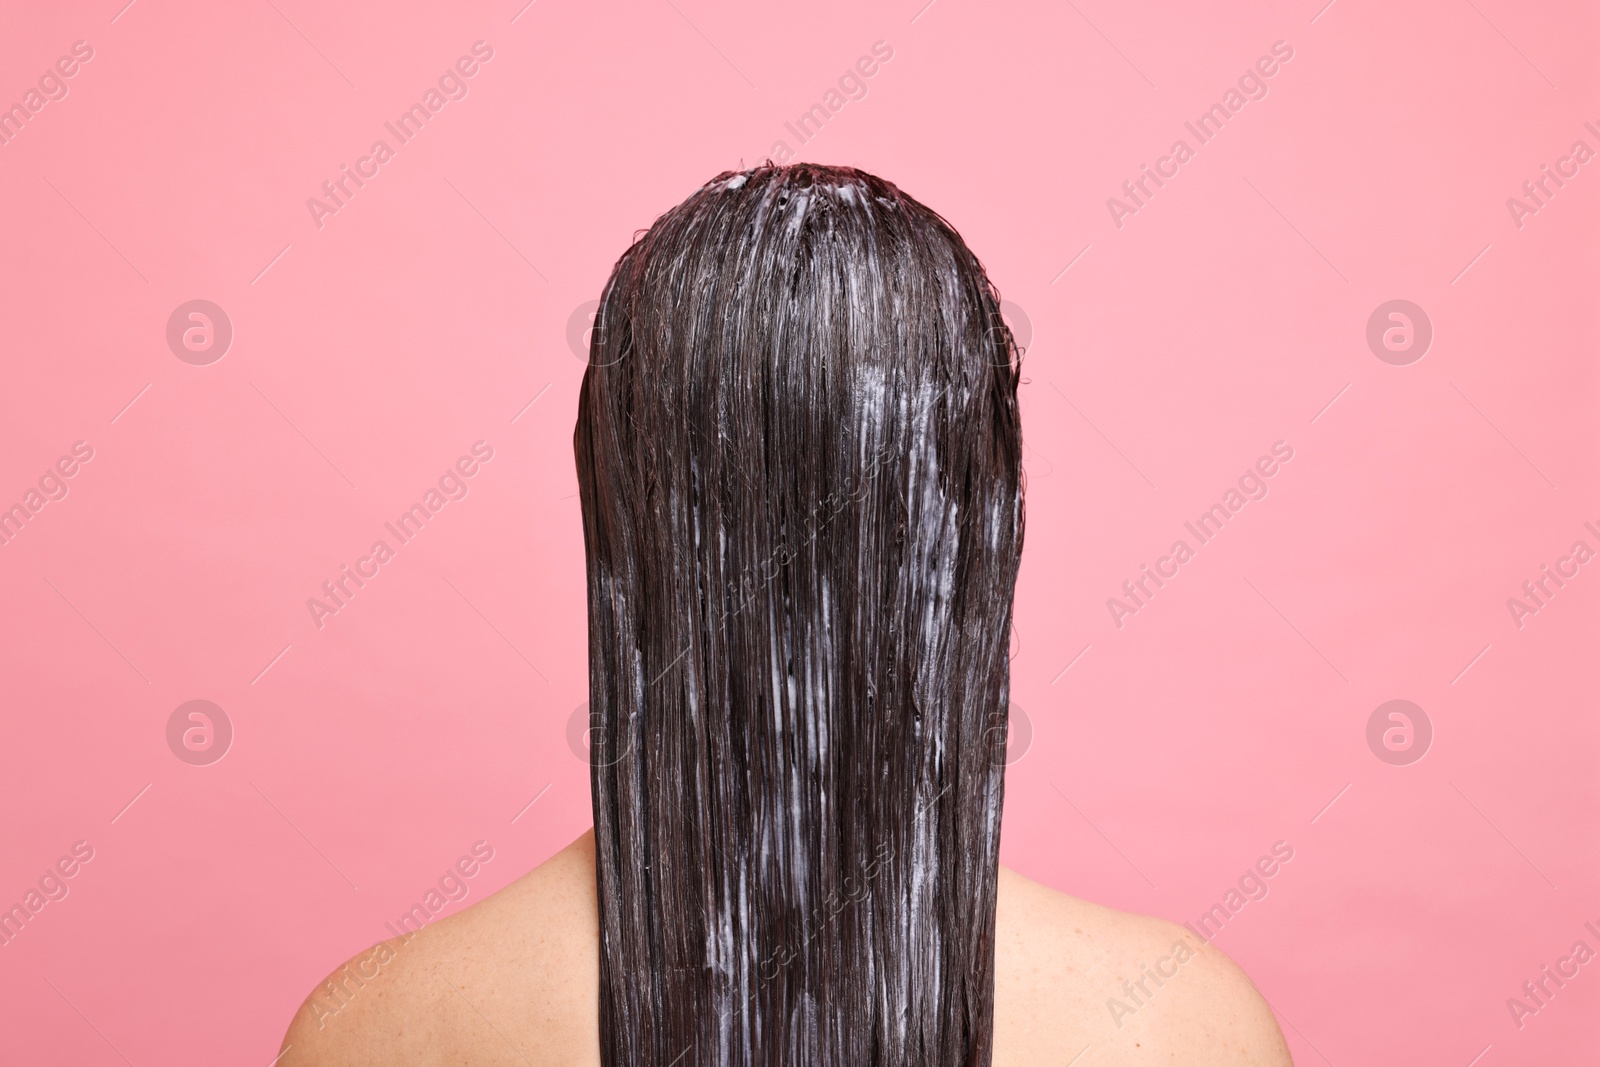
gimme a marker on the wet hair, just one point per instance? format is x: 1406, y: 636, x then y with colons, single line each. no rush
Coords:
x: 799, y: 459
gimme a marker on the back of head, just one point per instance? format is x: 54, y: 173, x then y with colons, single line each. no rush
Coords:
x: 799, y: 459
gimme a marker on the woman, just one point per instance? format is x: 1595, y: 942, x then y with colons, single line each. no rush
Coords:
x: 799, y: 458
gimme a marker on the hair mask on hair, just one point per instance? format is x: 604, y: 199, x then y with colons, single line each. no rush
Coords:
x: 799, y: 460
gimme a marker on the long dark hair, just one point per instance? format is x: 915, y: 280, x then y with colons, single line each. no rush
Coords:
x: 799, y: 459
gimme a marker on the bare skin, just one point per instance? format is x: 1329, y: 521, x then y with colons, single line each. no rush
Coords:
x: 511, y: 981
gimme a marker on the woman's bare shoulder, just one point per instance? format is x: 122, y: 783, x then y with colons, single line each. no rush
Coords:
x: 1071, y: 975
x: 512, y: 980
x: 509, y: 980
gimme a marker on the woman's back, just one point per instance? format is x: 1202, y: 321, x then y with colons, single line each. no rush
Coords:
x: 513, y: 980
x: 799, y: 459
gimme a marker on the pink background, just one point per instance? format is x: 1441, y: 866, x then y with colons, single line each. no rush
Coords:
x: 370, y: 353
